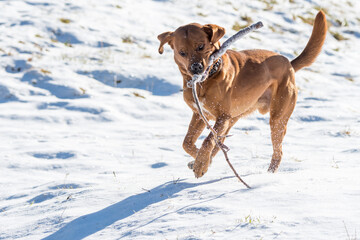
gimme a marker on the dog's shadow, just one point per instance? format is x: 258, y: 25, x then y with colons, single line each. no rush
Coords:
x: 89, y: 224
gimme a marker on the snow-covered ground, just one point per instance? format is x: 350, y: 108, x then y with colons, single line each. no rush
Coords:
x: 92, y: 121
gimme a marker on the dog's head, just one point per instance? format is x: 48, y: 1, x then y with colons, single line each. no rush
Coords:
x: 192, y: 44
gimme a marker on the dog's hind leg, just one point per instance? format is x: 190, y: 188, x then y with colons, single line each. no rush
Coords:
x: 281, y: 107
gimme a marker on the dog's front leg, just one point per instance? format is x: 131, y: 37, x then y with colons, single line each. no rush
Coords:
x: 202, y: 160
x: 196, y: 127
x: 231, y: 124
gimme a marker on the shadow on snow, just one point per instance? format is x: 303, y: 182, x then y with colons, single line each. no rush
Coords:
x: 42, y: 81
x: 89, y: 224
x: 45, y: 82
x: 159, y: 87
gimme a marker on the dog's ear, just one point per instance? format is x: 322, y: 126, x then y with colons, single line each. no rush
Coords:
x: 214, y: 32
x: 165, y: 37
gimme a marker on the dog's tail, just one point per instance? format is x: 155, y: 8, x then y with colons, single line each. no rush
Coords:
x: 313, y: 47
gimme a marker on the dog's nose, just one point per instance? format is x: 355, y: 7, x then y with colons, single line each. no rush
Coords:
x: 196, y: 68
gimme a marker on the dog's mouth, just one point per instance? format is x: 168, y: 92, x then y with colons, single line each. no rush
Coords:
x: 200, y: 68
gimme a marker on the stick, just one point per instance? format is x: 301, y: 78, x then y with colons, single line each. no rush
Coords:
x: 202, y: 77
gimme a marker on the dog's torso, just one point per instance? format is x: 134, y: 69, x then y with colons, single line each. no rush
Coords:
x: 244, y: 83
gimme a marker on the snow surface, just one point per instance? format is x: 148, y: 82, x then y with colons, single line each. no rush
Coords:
x: 92, y: 121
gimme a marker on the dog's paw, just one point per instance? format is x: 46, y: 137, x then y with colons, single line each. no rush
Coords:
x: 274, y: 165
x: 191, y: 165
x: 200, y: 167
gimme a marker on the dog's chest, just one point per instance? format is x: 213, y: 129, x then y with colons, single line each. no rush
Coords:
x: 207, y: 104
x: 204, y: 109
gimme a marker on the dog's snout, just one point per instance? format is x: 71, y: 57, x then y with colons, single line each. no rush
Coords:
x: 196, y: 68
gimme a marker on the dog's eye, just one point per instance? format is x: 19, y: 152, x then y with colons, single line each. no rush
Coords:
x: 200, y: 47
x: 183, y: 54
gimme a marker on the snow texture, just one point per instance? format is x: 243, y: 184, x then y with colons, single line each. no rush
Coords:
x: 92, y: 121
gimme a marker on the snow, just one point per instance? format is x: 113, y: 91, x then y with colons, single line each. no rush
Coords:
x: 92, y: 121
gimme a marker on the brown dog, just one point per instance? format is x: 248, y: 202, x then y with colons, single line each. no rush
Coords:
x: 238, y: 84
